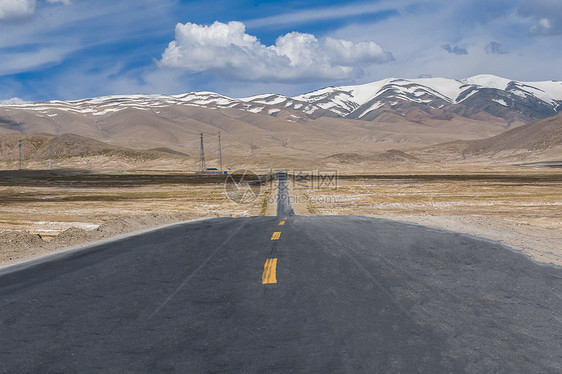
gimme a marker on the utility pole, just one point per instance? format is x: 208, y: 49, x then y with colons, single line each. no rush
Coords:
x: 202, y: 156
x: 220, y: 152
x: 20, y: 163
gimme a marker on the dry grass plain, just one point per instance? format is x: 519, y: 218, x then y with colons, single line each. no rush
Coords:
x: 47, y: 211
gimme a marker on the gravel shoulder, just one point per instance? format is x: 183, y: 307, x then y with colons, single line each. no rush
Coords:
x: 22, y: 246
x: 540, y: 243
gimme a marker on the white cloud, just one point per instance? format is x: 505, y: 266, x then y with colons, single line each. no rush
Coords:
x: 12, y: 101
x: 16, y: 9
x: 530, y: 58
x: 321, y: 14
x: 25, y: 61
x: 543, y: 26
x: 228, y: 51
x: 545, y: 14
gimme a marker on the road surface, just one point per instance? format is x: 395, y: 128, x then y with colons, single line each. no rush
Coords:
x: 284, y: 294
x: 284, y: 208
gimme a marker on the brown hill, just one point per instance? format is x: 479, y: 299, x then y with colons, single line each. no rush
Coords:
x: 244, y: 134
x: 391, y: 155
x: 135, y: 137
x: 38, y: 148
x: 536, y: 137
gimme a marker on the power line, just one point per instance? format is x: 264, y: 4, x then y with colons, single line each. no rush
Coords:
x: 164, y: 69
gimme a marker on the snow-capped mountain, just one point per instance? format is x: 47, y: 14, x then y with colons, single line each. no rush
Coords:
x: 441, y: 97
x: 481, y: 97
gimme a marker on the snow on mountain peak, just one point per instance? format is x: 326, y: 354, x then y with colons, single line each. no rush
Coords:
x: 482, y: 92
x: 488, y: 81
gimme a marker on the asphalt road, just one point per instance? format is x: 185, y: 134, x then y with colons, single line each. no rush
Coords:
x: 284, y: 208
x: 284, y: 294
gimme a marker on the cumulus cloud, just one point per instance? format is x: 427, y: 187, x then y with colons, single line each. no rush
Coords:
x: 454, y: 49
x: 495, y: 48
x: 11, y: 10
x: 228, y: 51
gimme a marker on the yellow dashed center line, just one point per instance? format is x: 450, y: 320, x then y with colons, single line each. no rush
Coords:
x: 269, y: 271
x: 282, y: 223
x: 270, y: 268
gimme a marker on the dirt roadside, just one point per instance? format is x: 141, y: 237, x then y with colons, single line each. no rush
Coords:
x: 21, y: 246
x: 542, y: 244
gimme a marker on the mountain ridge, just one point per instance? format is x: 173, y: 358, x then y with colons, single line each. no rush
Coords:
x: 438, y: 98
x: 364, y: 119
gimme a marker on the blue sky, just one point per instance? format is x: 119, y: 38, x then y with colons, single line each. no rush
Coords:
x: 72, y: 49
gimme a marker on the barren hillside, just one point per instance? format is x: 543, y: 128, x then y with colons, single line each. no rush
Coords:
x: 70, y: 150
x: 537, y: 136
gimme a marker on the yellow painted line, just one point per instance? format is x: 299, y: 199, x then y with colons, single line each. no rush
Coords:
x: 282, y: 223
x: 269, y: 271
x: 276, y: 235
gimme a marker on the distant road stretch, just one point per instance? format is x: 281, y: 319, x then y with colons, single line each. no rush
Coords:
x: 280, y: 294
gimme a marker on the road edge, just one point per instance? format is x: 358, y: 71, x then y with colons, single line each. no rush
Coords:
x: 85, y: 247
